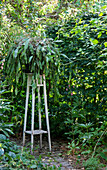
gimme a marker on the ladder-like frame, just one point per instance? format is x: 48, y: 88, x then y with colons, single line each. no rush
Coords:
x: 41, y: 82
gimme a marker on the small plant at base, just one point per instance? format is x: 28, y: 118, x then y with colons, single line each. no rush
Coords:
x: 72, y: 147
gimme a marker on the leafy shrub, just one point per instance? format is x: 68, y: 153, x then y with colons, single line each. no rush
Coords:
x: 12, y: 157
x: 92, y: 164
x: 82, y: 101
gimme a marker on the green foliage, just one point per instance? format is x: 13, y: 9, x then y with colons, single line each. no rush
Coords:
x: 103, y: 154
x: 82, y: 82
x: 79, y: 32
x: 31, y: 55
x: 82, y: 102
x: 72, y: 147
x: 5, y: 106
x: 5, y: 128
x: 92, y: 164
x: 12, y: 157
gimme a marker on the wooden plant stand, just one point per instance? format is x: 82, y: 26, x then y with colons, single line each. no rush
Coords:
x: 41, y: 82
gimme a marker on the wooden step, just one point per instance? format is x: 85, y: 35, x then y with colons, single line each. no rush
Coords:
x: 36, y: 132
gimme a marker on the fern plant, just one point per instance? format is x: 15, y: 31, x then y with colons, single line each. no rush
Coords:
x: 34, y: 55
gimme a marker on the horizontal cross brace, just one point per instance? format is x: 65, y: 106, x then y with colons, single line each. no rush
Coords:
x: 36, y: 132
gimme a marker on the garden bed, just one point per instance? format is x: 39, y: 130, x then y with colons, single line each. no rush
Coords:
x: 59, y: 156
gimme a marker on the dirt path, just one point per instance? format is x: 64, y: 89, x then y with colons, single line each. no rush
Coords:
x: 58, y: 157
x: 55, y: 158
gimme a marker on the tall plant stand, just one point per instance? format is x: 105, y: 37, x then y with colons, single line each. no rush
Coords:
x: 41, y: 82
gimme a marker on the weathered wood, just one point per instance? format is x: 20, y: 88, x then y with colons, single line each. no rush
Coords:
x: 40, y: 82
x: 26, y: 106
x: 32, y: 119
x: 46, y: 112
x: 39, y: 109
x: 36, y: 132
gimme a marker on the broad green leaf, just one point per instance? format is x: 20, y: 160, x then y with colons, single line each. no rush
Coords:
x: 105, y: 44
x: 2, y: 137
x: 33, y: 166
x: 26, y: 45
x: 30, y: 59
x: 94, y: 41
x: 99, y: 34
x: 104, y: 7
x: 4, y: 132
x: 9, y: 131
x: 101, y: 14
x: 86, y: 25
x: 12, y: 154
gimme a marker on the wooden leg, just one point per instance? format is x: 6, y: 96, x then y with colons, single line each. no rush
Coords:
x: 32, y: 119
x: 46, y: 111
x: 26, y: 107
x: 39, y: 108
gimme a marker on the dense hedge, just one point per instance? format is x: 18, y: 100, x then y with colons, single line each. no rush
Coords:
x: 82, y: 104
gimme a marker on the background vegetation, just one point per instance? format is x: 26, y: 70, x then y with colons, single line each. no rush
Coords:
x: 77, y: 98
